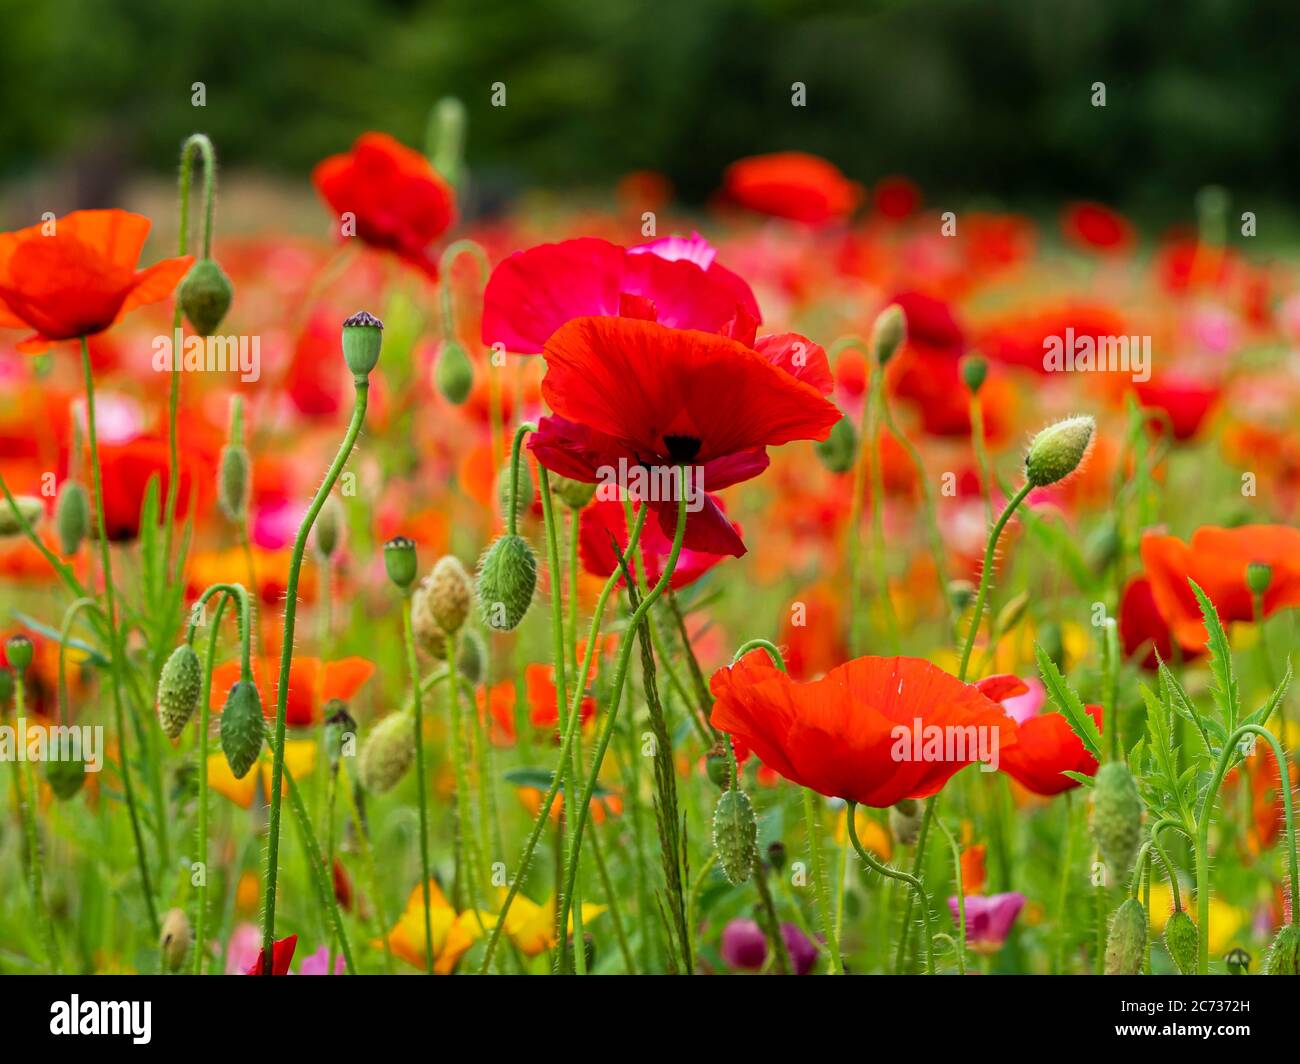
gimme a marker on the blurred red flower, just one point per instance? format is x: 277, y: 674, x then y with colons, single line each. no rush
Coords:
x: 281, y: 956
x: 793, y: 185
x: 1096, y: 227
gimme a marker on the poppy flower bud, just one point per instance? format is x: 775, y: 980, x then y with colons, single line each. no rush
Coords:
x: 65, y: 776
x: 1012, y: 613
x: 454, y: 374
x: 744, y: 946
x: 450, y: 593
x: 387, y: 752
x: 428, y: 634
x: 338, y: 724
x: 471, y: 656
x: 1237, y: 960
x: 205, y: 296
x: 1116, y: 816
x: 232, y: 481
x: 1057, y: 451
x: 718, y: 767
x: 1127, y: 941
x: 575, y: 494
x: 242, y: 728
x: 18, y: 649
x: 1258, y: 577
x: 363, y: 335
x: 839, y: 449
x: 71, y: 516
x: 974, y: 371
x: 888, y: 333
x: 524, y: 492
x: 400, y: 561
x: 179, y: 688
x: 174, y: 941
x: 29, y: 507
x: 961, y: 593
x: 1284, y: 954
x: 507, y: 578
x: 776, y: 854
x: 735, y: 835
x: 1182, y: 941
x: 905, y: 821
x: 329, y: 527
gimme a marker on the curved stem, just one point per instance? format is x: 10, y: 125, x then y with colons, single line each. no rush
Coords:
x: 990, y: 553
x: 902, y: 877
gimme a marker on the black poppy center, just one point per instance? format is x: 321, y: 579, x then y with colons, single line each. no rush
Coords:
x: 682, y: 448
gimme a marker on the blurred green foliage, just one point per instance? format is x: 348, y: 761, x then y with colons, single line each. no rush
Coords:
x: 966, y: 96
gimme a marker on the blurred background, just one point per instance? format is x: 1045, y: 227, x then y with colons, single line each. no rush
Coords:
x: 976, y: 100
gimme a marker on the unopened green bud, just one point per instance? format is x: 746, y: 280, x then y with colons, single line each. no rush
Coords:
x: 1058, y: 450
x: 974, y: 371
x: 18, y: 649
x: 1182, y: 942
x: 776, y: 854
x: 575, y: 494
x: 1011, y: 614
x: 387, y: 752
x: 71, y: 516
x: 1258, y: 577
x: 363, y: 335
x: 961, y: 593
x: 1116, y: 816
x: 174, y: 940
x: 400, y: 561
x: 888, y: 333
x: 1284, y: 954
x: 718, y: 766
x: 735, y: 835
x: 839, y: 449
x: 1127, y: 942
x: 30, y: 510
x: 450, y: 593
x: 328, y: 530
x: 471, y: 656
x: 905, y: 821
x: 205, y: 296
x: 65, y: 775
x: 242, y: 728
x: 232, y: 481
x: 507, y: 578
x: 454, y: 373
x: 180, y: 686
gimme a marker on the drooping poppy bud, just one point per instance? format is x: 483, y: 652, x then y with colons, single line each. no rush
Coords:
x: 205, y: 296
x: 179, y: 688
x: 174, y: 939
x: 1127, y: 941
x: 400, y: 561
x: 242, y: 728
x: 1058, y: 450
x: 65, y: 775
x: 1284, y: 954
x: 1116, y: 816
x: 387, y: 752
x: 450, y: 593
x: 735, y: 835
x: 524, y: 492
x: 454, y: 373
x: 330, y: 523
x: 888, y: 333
x: 30, y: 509
x: 72, y: 516
x: 18, y: 649
x: 507, y: 578
x: 905, y: 821
x: 1182, y: 941
x: 363, y: 335
x: 839, y: 449
x: 575, y: 494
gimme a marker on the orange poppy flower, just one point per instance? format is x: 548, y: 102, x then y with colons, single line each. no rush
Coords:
x: 498, y: 703
x: 1216, y: 558
x: 312, y: 683
x: 794, y: 185
x: 77, y: 275
x: 865, y: 731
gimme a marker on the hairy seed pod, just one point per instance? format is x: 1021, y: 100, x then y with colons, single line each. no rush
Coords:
x: 205, y: 296
x: 1182, y: 942
x: 454, y: 373
x: 575, y: 494
x: 840, y: 448
x: 232, y: 481
x: 387, y: 752
x: 1058, y: 450
x: 29, y: 507
x: 72, y: 516
x: 243, y: 728
x: 179, y: 689
x: 524, y: 495
x: 472, y: 656
x: 905, y: 821
x: 1116, y: 816
x: 428, y: 634
x: 174, y: 939
x: 451, y: 594
x: 1127, y: 942
x: 507, y: 578
x: 329, y: 527
x: 66, y: 776
x: 1284, y: 954
x: 735, y: 835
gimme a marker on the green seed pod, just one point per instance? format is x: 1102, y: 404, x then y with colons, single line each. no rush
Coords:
x: 174, y: 939
x: 179, y: 688
x: 387, y: 752
x: 735, y: 835
x: 1284, y: 954
x: 242, y: 728
x: 888, y: 333
x: 1258, y: 577
x: 1127, y: 942
x: 507, y: 578
x: 839, y: 449
x: 205, y: 296
x: 1058, y: 450
x: 329, y: 527
x: 454, y: 373
x: 71, y: 516
x: 18, y: 649
x: 232, y: 481
x: 905, y: 821
x: 524, y: 495
x: 1182, y: 942
x: 29, y: 507
x: 575, y: 494
x: 974, y: 372
x: 1116, y: 817
x: 471, y: 656
x: 400, y: 561
x: 65, y: 776
x: 451, y: 594
x: 363, y: 336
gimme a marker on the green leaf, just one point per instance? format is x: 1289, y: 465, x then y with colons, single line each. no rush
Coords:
x: 1227, y: 697
x: 1070, y: 704
x: 1079, y: 777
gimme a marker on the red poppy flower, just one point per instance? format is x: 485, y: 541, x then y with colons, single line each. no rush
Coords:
x: 312, y: 683
x: 1186, y: 400
x: 840, y: 735
x: 1216, y: 558
x: 1097, y: 228
x: 281, y: 956
x: 400, y: 202
x: 1046, y: 746
x: 674, y: 281
x: 497, y: 703
x: 604, y: 524
x: 1141, y: 623
x: 794, y: 185
x: 81, y: 277
x: 896, y: 197
x: 633, y: 394
x: 127, y: 469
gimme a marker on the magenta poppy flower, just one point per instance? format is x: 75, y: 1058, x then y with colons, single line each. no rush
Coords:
x: 989, y: 919
x: 744, y: 946
x: 603, y: 524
